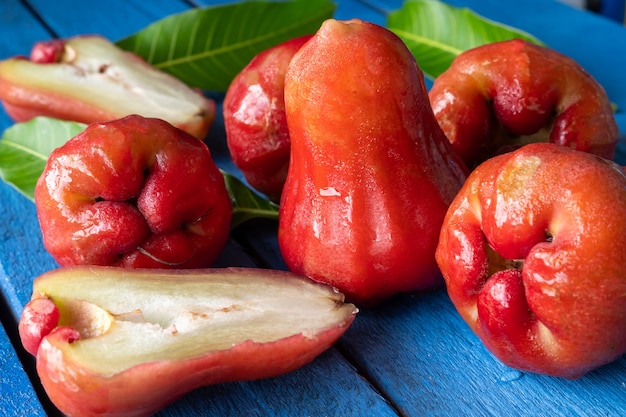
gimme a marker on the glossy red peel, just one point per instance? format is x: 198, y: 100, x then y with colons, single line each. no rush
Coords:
x: 133, y: 192
x: 371, y: 173
x: 129, y: 342
x: 39, y: 318
x: 255, y: 119
x: 532, y: 252
x: 501, y: 95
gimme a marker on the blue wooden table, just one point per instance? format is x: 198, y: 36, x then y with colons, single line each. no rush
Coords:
x: 412, y: 356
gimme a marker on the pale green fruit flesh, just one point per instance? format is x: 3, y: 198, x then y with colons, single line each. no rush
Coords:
x: 96, y: 72
x: 129, y: 317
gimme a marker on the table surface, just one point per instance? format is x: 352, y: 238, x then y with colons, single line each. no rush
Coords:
x: 412, y: 356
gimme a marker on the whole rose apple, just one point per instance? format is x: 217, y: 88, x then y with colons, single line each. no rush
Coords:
x: 532, y: 252
x: 371, y: 173
x: 502, y: 95
x: 255, y: 119
x: 133, y: 192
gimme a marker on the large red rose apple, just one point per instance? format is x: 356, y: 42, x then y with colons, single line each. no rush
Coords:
x: 533, y: 254
x: 133, y: 192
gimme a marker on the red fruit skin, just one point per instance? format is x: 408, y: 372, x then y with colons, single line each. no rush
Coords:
x: 133, y: 192
x: 371, y: 173
x: 23, y: 104
x: 498, y: 96
x: 140, y: 392
x: 47, y: 52
x: 39, y: 317
x: 255, y: 120
x: 532, y: 252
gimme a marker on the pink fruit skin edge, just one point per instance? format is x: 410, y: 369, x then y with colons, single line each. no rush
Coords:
x: 141, y: 391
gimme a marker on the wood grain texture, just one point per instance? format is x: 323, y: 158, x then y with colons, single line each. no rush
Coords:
x: 327, y: 387
x: 114, y: 19
x: 17, y: 396
x: 412, y: 356
x: 23, y: 254
x: 21, y: 29
x: 447, y: 370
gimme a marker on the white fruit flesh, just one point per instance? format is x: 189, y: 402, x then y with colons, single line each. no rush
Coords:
x: 97, y: 72
x: 131, y: 317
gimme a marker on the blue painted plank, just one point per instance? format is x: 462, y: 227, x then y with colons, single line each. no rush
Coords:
x: 25, y: 30
x: 23, y: 256
x: 17, y: 396
x: 327, y: 387
x: 614, y: 9
x: 114, y: 18
x: 346, y: 9
x: 429, y: 363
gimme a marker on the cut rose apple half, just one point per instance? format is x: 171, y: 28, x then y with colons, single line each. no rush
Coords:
x: 89, y: 79
x: 129, y: 342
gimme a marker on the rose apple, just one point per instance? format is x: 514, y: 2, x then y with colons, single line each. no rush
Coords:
x: 128, y: 342
x: 88, y: 79
x: 133, y: 192
x: 499, y: 96
x: 371, y: 173
x: 255, y: 121
x: 532, y: 252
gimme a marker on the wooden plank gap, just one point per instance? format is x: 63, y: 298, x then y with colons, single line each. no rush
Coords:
x: 262, y: 245
x: 345, y: 352
x: 375, y: 6
x: 39, y: 18
x: 193, y: 4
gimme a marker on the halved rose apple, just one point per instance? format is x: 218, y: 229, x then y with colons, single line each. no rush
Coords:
x: 111, y: 341
x: 89, y: 79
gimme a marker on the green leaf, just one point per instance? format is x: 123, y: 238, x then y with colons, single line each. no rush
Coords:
x: 24, y: 150
x: 206, y: 47
x: 246, y: 203
x: 436, y: 32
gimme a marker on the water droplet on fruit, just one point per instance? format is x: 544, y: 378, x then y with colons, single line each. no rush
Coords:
x: 510, y: 376
x: 329, y: 192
